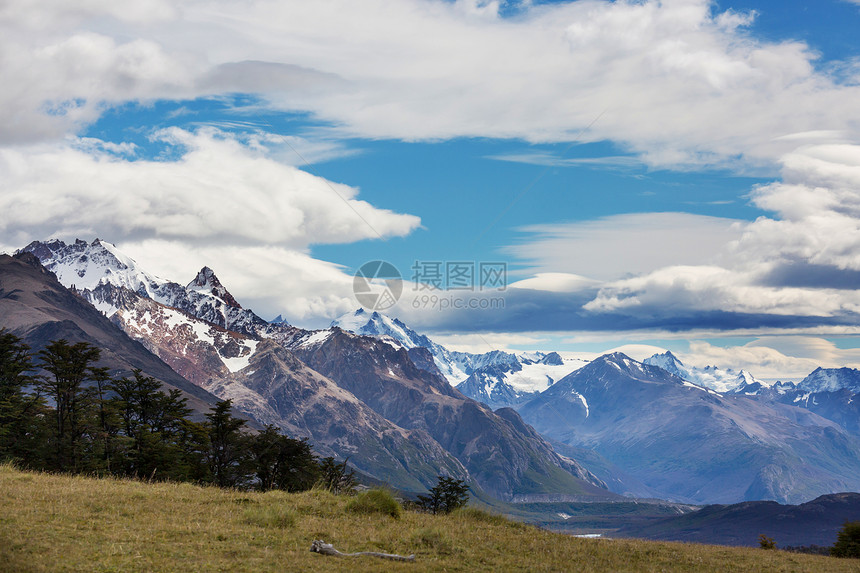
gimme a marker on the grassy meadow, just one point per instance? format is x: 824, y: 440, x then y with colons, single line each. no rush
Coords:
x: 63, y: 523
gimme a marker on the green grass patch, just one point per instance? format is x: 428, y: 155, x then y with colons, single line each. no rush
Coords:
x: 376, y: 500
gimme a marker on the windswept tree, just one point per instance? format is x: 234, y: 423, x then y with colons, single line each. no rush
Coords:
x: 70, y: 366
x: 447, y: 495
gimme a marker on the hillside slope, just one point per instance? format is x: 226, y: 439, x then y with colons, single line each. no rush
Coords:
x: 57, y: 523
x: 816, y: 522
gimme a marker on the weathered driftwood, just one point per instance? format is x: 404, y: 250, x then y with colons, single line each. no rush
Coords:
x: 320, y: 546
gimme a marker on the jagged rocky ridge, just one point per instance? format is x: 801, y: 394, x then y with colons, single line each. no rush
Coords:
x: 711, y: 377
x: 498, y: 449
x: 832, y: 393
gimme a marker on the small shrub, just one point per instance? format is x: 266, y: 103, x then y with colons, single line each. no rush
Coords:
x: 270, y: 516
x: 766, y: 542
x: 336, y: 477
x: 848, y: 542
x: 375, y: 501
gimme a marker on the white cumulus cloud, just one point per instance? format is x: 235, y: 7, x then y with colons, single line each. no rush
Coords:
x: 220, y: 190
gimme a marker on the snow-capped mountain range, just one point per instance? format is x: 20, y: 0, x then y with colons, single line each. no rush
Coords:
x: 831, y: 380
x: 698, y: 444
x: 354, y: 396
x: 496, y: 378
x: 709, y: 377
x: 99, y: 271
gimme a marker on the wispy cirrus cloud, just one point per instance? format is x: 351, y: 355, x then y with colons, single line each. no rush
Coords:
x: 550, y: 160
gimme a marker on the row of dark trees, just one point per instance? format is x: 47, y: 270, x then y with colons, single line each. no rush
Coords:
x: 847, y: 543
x: 75, y: 418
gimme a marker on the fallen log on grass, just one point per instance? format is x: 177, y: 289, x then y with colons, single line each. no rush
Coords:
x: 320, y: 546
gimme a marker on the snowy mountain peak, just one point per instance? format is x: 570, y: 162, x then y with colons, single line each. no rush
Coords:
x: 668, y: 362
x: 831, y: 380
x: 621, y: 362
x: 493, y: 373
x: 85, y: 266
x: 552, y: 359
x: 745, y: 377
x: 206, y: 282
x: 380, y: 325
x: 748, y: 385
x: 618, y: 358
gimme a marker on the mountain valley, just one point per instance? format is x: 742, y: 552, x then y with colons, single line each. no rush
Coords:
x: 532, y: 429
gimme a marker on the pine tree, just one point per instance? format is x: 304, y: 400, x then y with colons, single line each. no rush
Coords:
x: 154, y: 425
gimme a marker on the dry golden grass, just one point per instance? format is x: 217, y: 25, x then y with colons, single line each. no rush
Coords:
x: 60, y: 523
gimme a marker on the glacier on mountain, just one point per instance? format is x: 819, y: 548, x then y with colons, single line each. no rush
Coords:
x: 831, y: 380
x: 711, y: 377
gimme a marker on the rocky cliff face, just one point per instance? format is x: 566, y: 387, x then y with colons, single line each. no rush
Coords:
x: 268, y: 383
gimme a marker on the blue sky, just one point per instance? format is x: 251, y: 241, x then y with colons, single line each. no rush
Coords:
x: 681, y: 174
